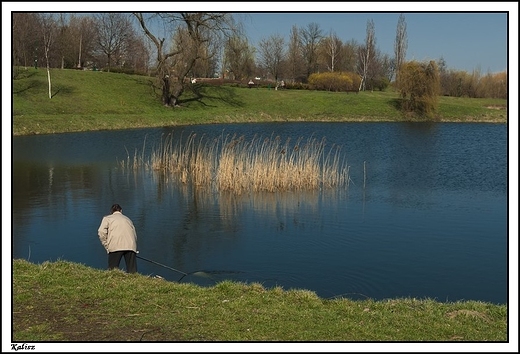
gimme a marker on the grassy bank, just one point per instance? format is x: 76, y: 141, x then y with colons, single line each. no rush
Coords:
x: 93, y: 100
x: 63, y: 301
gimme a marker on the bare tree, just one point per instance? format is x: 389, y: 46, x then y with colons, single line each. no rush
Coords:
x: 62, y: 38
x: 400, y: 44
x: 67, y: 40
x: 82, y: 39
x: 272, y: 54
x: 201, y: 28
x: 26, y: 30
x: 112, y: 31
x: 387, y: 66
x: 48, y: 29
x: 310, y: 37
x: 379, y: 72
x: 136, y: 55
x: 295, y: 55
x: 332, y: 50
x: 366, y: 53
x: 349, y: 56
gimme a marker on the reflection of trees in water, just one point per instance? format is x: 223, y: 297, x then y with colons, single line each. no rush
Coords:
x: 49, y: 192
x: 56, y: 187
x: 416, y: 162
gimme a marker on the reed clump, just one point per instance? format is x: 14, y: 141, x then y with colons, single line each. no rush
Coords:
x: 236, y: 164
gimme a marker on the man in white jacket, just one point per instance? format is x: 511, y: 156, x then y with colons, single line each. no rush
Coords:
x: 117, y: 234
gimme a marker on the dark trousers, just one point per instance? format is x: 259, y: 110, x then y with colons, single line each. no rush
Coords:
x: 114, y: 258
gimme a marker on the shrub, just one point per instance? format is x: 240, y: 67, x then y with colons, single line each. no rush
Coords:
x: 335, y: 81
x: 381, y: 83
x: 296, y: 86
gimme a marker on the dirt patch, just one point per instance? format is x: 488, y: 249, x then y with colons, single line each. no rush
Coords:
x: 83, y: 322
x: 468, y: 313
x: 498, y: 108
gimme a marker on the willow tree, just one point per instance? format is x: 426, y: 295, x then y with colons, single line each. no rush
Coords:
x: 238, y: 61
x: 190, y: 33
x: 419, y: 87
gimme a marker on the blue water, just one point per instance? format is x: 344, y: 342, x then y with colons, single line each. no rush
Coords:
x: 424, y: 216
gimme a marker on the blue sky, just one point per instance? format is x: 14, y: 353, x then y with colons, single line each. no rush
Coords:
x: 466, y: 41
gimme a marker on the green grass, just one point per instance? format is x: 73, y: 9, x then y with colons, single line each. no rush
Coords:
x: 93, y: 100
x: 64, y: 301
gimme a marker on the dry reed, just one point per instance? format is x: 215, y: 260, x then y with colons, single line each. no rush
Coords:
x: 232, y: 163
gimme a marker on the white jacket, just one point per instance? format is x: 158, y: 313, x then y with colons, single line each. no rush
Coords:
x: 117, y: 233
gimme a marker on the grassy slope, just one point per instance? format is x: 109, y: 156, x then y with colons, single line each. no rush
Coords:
x: 63, y: 301
x: 87, y: 100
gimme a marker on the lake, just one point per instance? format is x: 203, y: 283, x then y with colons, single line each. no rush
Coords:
x: 425, y: 214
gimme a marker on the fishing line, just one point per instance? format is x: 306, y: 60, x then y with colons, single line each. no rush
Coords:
x: 198, y: 273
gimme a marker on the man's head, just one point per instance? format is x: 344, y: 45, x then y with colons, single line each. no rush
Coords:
x: 114, y: 208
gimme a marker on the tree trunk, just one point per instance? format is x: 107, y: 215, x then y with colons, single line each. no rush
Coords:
x: 177, y: 90
x: 49, y: 79
x: 48, y: 71
x: 79, y: 57
x: 166, y: 97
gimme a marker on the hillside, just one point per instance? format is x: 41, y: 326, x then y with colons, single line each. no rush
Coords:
x: 95, y: 100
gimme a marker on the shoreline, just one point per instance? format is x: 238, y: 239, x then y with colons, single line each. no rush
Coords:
x: 122, y: 124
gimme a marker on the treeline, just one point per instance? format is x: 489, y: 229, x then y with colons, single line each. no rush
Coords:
x: 206, y: 45
x: 458, y: 83
x: 107, y: 41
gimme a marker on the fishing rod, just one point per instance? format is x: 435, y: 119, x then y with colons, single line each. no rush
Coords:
x: 201, y: 273
x: 162, y: 265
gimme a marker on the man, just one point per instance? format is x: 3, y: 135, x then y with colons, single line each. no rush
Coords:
x: 117, y: 234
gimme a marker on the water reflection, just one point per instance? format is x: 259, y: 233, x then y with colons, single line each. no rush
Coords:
x: 431, y: 220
